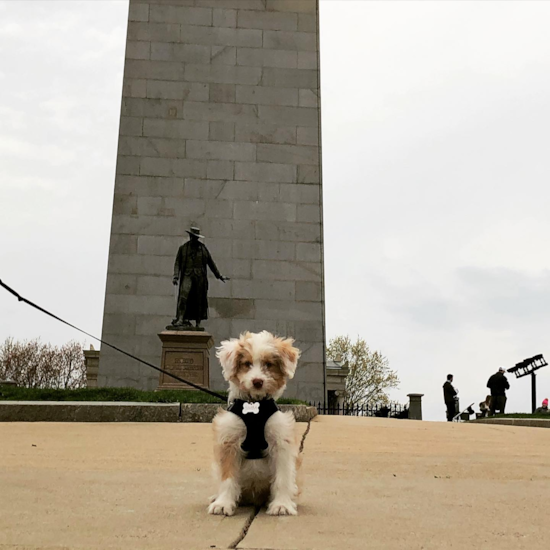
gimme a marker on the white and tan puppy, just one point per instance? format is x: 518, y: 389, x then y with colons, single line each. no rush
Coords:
x: 257, y: 367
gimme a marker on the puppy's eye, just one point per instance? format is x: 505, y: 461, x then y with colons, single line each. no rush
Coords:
x: 247, y: 364
x: 268, y: 364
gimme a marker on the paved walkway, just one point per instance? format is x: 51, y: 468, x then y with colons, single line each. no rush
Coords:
x: 369, y: 483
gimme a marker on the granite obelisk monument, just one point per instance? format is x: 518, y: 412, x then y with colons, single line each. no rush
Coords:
x: 220, y: 130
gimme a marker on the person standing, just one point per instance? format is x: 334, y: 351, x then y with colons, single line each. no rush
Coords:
x: 449, y: 394
x: 498, y: 384
x: 544, y: 409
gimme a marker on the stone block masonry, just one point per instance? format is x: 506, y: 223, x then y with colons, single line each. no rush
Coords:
x: 219, y: 128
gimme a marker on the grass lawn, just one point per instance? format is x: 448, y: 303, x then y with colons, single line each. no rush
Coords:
x: 521, y: 415
x: 12, y: 393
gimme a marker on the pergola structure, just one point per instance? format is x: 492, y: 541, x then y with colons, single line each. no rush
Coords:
x: 530, y: 366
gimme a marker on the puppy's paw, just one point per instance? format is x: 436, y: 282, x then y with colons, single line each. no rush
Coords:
x: 222, y: 508
x: 282, y: 508
x: 212, y: 498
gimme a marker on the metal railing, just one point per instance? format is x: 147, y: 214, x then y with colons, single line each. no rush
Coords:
x: 394, y: 410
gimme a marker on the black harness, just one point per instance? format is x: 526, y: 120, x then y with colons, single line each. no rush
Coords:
x: 254, y: 415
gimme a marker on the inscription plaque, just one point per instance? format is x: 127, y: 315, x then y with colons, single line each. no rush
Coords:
x: 185, y: 353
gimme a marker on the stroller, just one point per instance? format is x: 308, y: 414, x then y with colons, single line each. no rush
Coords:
x: 464, y: 415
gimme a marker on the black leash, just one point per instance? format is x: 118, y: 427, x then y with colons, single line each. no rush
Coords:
x: 21, y: 299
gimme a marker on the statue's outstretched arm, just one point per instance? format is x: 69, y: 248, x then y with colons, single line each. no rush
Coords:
x: 214, y: 268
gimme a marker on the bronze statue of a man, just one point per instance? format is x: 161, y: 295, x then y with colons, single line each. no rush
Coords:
x: 190, y: 272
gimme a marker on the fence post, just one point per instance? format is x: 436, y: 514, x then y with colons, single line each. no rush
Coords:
x: 415, y: 406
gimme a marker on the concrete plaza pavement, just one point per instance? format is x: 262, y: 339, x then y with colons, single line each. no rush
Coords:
x: 369, y: 483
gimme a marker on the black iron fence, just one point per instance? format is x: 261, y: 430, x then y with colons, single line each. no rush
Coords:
x: 394, y: 410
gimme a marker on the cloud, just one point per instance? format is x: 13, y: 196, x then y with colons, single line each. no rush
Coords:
x: 505, y: 298
x: 11, y: 29
x: 44, y: 152
x: 495, y: 299
x: 11, y: 117
x: 101, y: 43
x: 515, y: 243
x: 64, y: 110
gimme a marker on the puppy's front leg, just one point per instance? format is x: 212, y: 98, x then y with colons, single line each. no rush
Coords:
x: 228, y: 459
x: 283, y: 465
x: 229, y: 491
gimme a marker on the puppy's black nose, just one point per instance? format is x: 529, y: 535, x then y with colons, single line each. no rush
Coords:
x: 258, y: 383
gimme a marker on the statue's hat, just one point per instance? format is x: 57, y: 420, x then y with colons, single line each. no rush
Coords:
x: 195, y: 232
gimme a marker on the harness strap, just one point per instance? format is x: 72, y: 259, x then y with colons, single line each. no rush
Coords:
x: 255, y: 416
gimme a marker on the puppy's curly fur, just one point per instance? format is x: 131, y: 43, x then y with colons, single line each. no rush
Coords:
x: 257, y: 366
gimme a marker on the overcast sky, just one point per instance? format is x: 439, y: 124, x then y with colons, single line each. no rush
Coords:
x: 436, y: 124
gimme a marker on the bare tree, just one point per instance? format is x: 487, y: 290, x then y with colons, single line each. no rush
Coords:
x: 33, y: 364
x: 370, y: 376
x: 72, y: 368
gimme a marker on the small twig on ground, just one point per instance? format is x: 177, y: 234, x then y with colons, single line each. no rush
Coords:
x: 304, y: 436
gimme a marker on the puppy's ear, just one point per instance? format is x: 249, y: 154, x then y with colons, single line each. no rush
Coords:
x: 227, y: 354
x: 290, y: 356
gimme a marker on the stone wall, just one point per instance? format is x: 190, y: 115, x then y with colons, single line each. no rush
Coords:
x: 220, y: 128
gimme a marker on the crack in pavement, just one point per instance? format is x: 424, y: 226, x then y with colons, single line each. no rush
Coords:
x: 256, y: 510
x: 245, y: 528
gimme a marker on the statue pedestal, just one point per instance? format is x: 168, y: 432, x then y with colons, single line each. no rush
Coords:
x: 185, y: 353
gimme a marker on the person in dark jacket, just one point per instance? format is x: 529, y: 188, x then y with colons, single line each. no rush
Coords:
x: 449, y: 394
x: 498, y: 384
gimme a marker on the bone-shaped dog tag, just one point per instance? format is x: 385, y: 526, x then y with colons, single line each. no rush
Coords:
x: 253, y: 408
